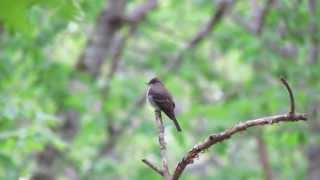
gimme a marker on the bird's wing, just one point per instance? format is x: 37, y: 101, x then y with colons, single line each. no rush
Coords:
x: 165, y: 103
x: 162, y: 100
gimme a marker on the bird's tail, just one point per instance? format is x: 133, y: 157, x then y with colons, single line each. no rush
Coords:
x: 176, y: 124
x: 173, y: 118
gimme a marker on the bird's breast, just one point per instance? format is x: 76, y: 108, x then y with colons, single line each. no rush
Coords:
x: 150, y: 100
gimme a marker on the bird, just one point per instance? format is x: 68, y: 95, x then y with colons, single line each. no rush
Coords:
x: 161, y: 100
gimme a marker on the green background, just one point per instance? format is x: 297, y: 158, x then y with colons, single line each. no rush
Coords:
x: 56, y: 119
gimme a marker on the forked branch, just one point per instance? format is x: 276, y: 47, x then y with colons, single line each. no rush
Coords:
x: 163, y: 150
x: 242, y: 126
x: 291, y: 116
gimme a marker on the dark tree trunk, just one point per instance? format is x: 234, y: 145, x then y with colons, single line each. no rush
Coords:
x: 100, y: 40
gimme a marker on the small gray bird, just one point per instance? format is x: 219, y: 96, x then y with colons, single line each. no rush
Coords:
x: 160, y: 98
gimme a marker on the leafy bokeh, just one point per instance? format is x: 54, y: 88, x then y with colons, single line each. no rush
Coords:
x: 231, y: 76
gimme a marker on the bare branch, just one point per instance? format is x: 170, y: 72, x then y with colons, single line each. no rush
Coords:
x: 260, y: 16
x: 292, y: 105
x: 140, y: 12
x: 152, y: 166
x: 162, y: 143
x: 202, y: 33
x: 219, y: 137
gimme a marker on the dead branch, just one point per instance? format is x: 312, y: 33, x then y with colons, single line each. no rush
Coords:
x: 292, y: 104
x: 152, y: 166
x: 162, y: 143
x: 163, y: 150
x: 219, y: 137
x: 291, y: 116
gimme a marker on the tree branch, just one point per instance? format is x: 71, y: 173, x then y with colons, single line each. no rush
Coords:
x: 202, y: 32
x: 140, y: 12
x: 219, y: 137
x: 260, y: 16
x: 152, y: 166
x: 108, y: 24
x: 292, y: 104
x: 162, y: 143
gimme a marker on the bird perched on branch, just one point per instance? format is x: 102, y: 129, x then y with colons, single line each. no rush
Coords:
x: 160, y: 98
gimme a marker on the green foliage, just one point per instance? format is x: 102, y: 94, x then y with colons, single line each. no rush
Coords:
x: 231, y: 76
x: 19, y: 16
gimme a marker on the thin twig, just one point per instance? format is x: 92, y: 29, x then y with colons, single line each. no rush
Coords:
x: 292, y: 103
x: 152, y: 166
x: 162, y: 143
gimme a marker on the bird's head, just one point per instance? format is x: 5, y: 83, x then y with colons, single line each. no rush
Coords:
x: 154, y: 81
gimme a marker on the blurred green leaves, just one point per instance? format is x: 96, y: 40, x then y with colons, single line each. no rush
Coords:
x: 230, y: 77
x: 16, y: 15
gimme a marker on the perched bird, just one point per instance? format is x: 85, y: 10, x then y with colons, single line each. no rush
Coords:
x: 160, y: 98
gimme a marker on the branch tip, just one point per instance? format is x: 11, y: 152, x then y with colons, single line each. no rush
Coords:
x: 292, y: 104
x: 152, y: 166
